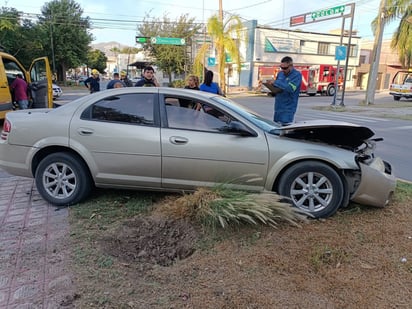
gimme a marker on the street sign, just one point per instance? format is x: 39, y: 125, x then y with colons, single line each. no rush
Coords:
x: 340, y: 53
x: 142, y: 39
x: 297, y: 20
x: 167, y: 41
x: 211, y: 61
x: 328, y: 12
x: 228, y: 57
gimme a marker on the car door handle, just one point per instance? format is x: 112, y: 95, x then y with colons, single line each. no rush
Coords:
x: 178, y: 140
x: 85, y: 131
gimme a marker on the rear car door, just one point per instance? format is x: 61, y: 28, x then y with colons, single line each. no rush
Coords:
x: 195, y: 153
x: 41, y: 83
x: 119, y: 137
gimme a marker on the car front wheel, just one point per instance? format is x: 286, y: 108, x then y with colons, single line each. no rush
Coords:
x: 313, y: 187
x: 62, y: 179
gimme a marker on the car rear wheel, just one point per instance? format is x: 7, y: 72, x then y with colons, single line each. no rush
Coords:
x: 62, y: 179
x: 396, y: 98
x: 313, y: 187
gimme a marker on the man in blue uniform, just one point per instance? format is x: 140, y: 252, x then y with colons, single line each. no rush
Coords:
x: 93, y: 82
x: 288, y: 81
x: 115, y: 82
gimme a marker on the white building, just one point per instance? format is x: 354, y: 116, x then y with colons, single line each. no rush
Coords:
x: 266, y: 46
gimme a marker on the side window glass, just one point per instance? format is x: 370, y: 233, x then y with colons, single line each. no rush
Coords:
x: 12, y: 69
x: 127, y: 108
x: 38, y: 72
x: 184, y: 113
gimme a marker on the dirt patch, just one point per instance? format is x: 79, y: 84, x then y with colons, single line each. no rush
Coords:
x: 151, y: 240
x: 359, y: 258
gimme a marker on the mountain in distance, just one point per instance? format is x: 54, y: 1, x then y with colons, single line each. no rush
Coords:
x: 106, y: 47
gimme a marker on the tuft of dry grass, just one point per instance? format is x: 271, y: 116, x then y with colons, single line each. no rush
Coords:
x: 221, y: 206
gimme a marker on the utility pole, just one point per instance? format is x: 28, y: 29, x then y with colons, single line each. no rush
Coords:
x: 220, y: 11
x: 376, y: 53
x: 221, y: 51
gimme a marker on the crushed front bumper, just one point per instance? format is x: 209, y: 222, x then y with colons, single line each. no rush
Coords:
x: 377, y: 184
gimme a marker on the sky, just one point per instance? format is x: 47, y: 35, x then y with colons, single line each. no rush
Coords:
x: 116, y: 20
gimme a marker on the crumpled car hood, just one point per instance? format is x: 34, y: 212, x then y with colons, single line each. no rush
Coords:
x: 341, y: 134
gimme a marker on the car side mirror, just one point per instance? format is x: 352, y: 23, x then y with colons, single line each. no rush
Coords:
x: 237, y: 127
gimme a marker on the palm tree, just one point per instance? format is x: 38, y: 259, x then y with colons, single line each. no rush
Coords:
x: 402, y: 38
x: 222, y: 33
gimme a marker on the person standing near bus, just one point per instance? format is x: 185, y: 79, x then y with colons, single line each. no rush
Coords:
x: 19, y: 88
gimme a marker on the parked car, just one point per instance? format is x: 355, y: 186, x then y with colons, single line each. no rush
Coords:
x: 172, y: 139
x: 57, y: 91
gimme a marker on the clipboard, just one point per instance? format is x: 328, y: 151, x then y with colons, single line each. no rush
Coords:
x: 273, y: 89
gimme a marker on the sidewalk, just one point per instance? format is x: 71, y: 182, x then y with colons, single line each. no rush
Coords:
x: 33, y: 248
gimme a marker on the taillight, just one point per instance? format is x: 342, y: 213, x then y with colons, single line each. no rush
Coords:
x: 6, y: 129
x: 7, y: 126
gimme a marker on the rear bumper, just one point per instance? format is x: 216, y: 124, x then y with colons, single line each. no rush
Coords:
x: 377, y: 184
x: 401, y: 94
x: 13, y: 159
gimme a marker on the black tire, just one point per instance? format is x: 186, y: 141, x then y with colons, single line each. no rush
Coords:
x: 62, y: 179
x: 396, y: 98
x: 313, y: 187
x: 311, y: 94
x: 331, y: 90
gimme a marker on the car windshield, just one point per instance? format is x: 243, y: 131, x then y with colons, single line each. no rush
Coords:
x: 258, y: 120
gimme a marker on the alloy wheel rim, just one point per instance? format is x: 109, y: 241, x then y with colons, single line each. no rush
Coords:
x: 59, y: 180
x: 311, y: 192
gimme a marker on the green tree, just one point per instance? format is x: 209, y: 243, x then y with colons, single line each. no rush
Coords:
x: 68, y: 40
x: 96, y: 59
x: 20, y: 37
x: 130, y: 50
x: 8, y: 21
x: 225, y: 37
x: 402, y: 37
x: 170, y: 58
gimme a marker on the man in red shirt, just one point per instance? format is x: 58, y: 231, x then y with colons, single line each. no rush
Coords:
x: 19, y: 86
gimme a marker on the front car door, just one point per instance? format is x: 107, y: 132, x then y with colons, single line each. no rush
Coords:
x: 41, y: 83
x: 196, y: 153
x: 5, y: 94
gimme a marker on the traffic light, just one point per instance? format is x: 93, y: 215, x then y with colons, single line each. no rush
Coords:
x: 142, y: 39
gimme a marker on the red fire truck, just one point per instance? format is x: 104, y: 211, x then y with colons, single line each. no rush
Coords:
x: 320, y: 78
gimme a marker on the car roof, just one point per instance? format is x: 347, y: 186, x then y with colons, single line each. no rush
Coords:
x: 161, y: 90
